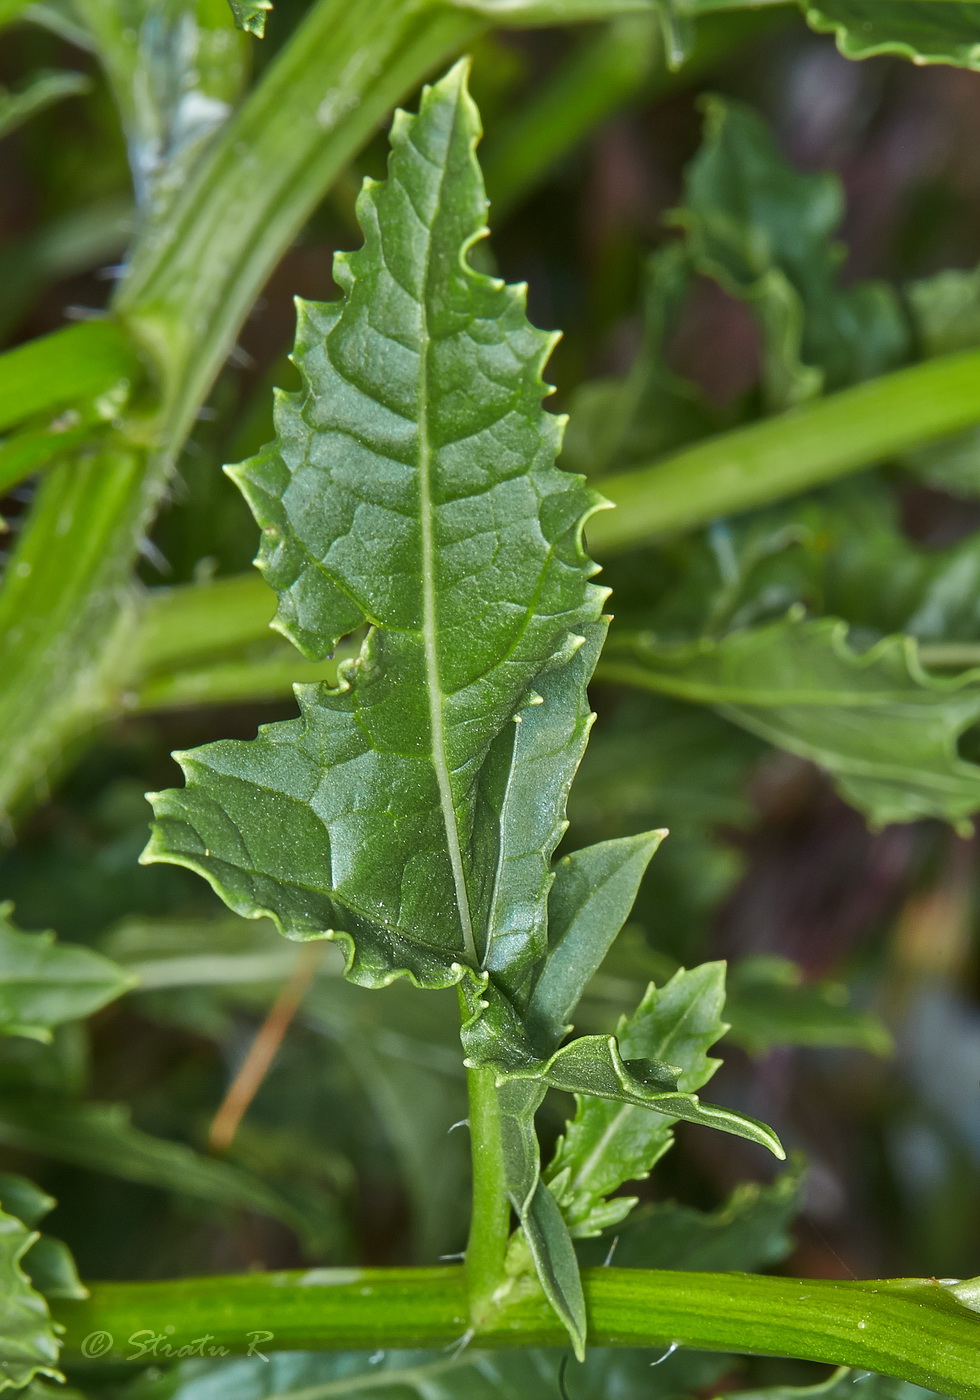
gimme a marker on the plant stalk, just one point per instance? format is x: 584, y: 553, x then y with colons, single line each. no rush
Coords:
x: 911, y: 1328
x: 490, y: 1220
x: 789, y: 453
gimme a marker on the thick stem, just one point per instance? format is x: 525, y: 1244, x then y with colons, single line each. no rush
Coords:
x: 912, y: 1328
x: 490, y: 1221
x: 789, y: 453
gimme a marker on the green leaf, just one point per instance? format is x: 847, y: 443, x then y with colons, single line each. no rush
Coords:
x: 43, y: 90
x: 884, y: 729
x: 749, y: 1232
x: 43, y: 983
x: 765, y: 233
x: 28, y: 1344
x: 593, y: 893
x: 48, y: 1262
x: 381, y: 785
x: 101, y: 1137
x: 250, y: 15
x: 942, y: 31
x: 839, y: 1385
x: 427, y: 1375
x: 769, y: 1004
x: 607, y: 1143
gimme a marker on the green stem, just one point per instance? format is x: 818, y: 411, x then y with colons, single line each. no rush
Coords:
x: 789, y: 453
x: 913, y: 1328
x: 490, y: 1220
x: 67, y: 607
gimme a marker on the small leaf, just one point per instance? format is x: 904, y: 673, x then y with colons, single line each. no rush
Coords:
x: 555, y: 1263
x: 942, y: 31
x: 43, y: 983
x: 593, y: 893
x: 250, y: 15
x: 608, y: 1143
x: 884, y: 729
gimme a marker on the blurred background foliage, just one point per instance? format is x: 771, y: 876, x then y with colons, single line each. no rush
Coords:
x: 765, y: 223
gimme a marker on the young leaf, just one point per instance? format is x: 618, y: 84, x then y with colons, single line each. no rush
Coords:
x: 593, y: 893
x: 359, y: 820
x: 28, y: 1344
x: 43, y: 983
x: 883, y: 728
x: 942, y: 31
x: 606, y: 1143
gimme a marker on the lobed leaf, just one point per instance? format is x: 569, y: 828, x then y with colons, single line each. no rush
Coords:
x: 48, y: 1262
x: 884, y: 729
x: 28, y: 1344
x: 608, y: 1143
x: 370, y: 819
x: 942, y: 31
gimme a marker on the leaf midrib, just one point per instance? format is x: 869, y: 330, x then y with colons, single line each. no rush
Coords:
x: 432, y: 677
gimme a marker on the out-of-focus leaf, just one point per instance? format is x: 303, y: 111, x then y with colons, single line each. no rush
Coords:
x: 43, y: 983
x: 48, y: 1262
x: 101, y: 1137
x: 404, y: 1052
x: 616, y: 423
x: 43, y: 90
x: 765, y: 233
x: 748, y: 1233
x: 606, y: 1143
x: 250, y: 15
x: 426, y: 1375
x: 840, y: 1386
x: 942, y: 31
x: 769, y: 1004
x: 884, y: 729
x: 28, y: 1344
